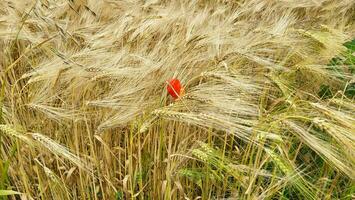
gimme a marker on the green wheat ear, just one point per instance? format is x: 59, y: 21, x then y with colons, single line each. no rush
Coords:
x: 304, y: 187
x: 9, y: 192
x: 194, y: 174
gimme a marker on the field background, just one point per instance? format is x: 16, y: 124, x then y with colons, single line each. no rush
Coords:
x: 268, y: 110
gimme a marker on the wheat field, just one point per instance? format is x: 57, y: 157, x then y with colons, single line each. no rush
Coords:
x: 267, y: 112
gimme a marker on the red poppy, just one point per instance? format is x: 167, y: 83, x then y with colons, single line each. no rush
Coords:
x: 174, y: 88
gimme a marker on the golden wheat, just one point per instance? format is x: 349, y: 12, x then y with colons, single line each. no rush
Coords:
x: 85, y: 113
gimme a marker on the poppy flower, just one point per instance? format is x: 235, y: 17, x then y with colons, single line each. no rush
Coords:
x: 174, y: 88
